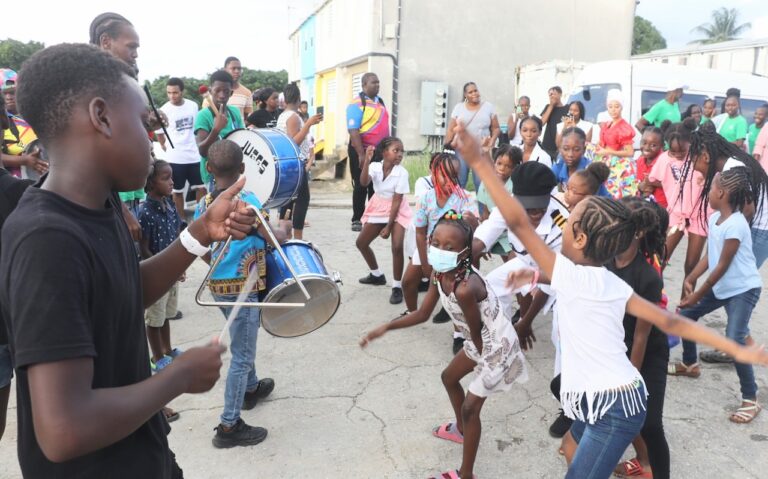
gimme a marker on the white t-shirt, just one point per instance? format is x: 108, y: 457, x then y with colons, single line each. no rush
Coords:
x: 760, y: 221
x: 395, y: 182
x: 591, y: 303
x: 550, y: 230
x: 282, y: 122
x: 539, y: 155
x: 181, y: 120
x: 477, y: 122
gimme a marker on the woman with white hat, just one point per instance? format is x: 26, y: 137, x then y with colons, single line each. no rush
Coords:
x: 615, y: 148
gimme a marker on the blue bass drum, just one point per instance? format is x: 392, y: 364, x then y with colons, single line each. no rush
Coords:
x: 273, y: 165
x: 282, y: 288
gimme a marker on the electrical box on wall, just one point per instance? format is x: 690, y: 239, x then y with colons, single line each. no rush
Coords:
x: 434, y: 108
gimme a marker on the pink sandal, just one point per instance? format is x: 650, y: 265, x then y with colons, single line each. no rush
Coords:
x: 450, y: 475
x: 633, y: 468
x: 449, y: 432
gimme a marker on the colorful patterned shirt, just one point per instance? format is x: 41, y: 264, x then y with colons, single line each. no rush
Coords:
x: 430, y: 212
x: 370, y: 117
x: 240, y: 257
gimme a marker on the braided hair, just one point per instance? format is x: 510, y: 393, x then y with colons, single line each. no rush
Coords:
x: 654, y: 226
x: 464, y: 268
x: 707, y: 140
x: 444, y: 164
x: 381, y: 147
x: 107, y: 23
x: 609, y: 227
x: 736, y: 182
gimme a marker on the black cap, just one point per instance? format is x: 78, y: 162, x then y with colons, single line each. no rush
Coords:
x: 532, y: 184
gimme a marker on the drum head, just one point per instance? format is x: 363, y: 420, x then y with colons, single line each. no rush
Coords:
x: 260, y: 171
x: 289, y: 323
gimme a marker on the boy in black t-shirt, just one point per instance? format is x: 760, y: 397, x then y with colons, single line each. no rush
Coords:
x: 87, y: 406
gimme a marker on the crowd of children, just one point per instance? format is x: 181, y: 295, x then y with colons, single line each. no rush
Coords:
x: 584, y: 231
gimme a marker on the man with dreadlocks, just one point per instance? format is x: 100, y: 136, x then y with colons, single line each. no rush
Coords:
x: 114, y: 34
x: 446, y: 195
x: 710, y: 154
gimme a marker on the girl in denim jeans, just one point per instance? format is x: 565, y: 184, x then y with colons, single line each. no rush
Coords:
x: 600, y: 388
x: 733, y: 283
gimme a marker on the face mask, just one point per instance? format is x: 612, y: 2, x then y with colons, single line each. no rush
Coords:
x: 441, y: 260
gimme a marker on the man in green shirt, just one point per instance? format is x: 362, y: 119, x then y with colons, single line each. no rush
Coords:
x: 754, y: 129
x: 209, y: 127
x: 666, y: 109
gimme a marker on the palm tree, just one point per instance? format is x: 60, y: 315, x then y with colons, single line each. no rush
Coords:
x: 722, y: 28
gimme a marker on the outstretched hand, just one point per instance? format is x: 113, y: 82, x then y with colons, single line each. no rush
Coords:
x: 520, y: 277
x: 376, y: 333
x: 466, y: 145
x: 752, y: 355
x: 226, y: 216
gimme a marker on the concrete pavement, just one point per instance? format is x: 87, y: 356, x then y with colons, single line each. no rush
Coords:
x: 341, y: 412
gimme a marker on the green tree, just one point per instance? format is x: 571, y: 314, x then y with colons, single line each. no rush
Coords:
x: 13, y: 52
x: 646, y: 37
x: 255, y: 79
x: 722, y: 28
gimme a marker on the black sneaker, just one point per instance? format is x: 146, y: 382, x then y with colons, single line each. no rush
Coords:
x: 458, y: 343
x: 397, y: 296
x: 357, y: 226
x: 178, y: 315
x: 423, y: 286
x: 516, y: 317
x: 560, y: 426
x: 441, y: 317
x: 374, y: 280
x: 241, y: 434
x: 263, y: 389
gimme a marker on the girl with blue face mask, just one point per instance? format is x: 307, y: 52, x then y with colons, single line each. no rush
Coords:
x: 492, y: 348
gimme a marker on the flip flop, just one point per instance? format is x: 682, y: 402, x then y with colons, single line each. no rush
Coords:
x: 633, y: 468
x: 450, y: 475
x: 715, y: 357
x: 448, y: 432
x: 680, y: 369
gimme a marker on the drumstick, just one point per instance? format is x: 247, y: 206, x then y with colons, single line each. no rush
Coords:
x: 157, y: 115
x: 203, y: 90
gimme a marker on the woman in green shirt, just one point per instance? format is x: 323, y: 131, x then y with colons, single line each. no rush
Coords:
x: 734, y: 127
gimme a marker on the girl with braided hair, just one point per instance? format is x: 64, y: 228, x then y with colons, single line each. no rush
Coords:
x: 492, y: 349
x: 709, y: 154
x: 388, y: 212
x: 446, y: 195
x: 600, y: 388
x: 733, y: 282
x: 647, y: 347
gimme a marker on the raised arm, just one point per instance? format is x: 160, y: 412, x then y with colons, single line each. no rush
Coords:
x: 511, y: 209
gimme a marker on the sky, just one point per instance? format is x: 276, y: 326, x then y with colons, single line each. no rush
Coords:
x: 185, y: 42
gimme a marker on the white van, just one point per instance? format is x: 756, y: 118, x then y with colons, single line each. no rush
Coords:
x: 644, y: 84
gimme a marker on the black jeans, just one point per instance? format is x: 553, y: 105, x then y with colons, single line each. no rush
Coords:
x: 654, y: 372
x: 359, y: 193
x: 297, y: 209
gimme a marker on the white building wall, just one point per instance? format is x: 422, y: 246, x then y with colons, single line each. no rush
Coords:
x: 740, y: 56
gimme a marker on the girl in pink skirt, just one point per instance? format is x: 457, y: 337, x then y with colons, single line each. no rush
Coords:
x: 388, y: 212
